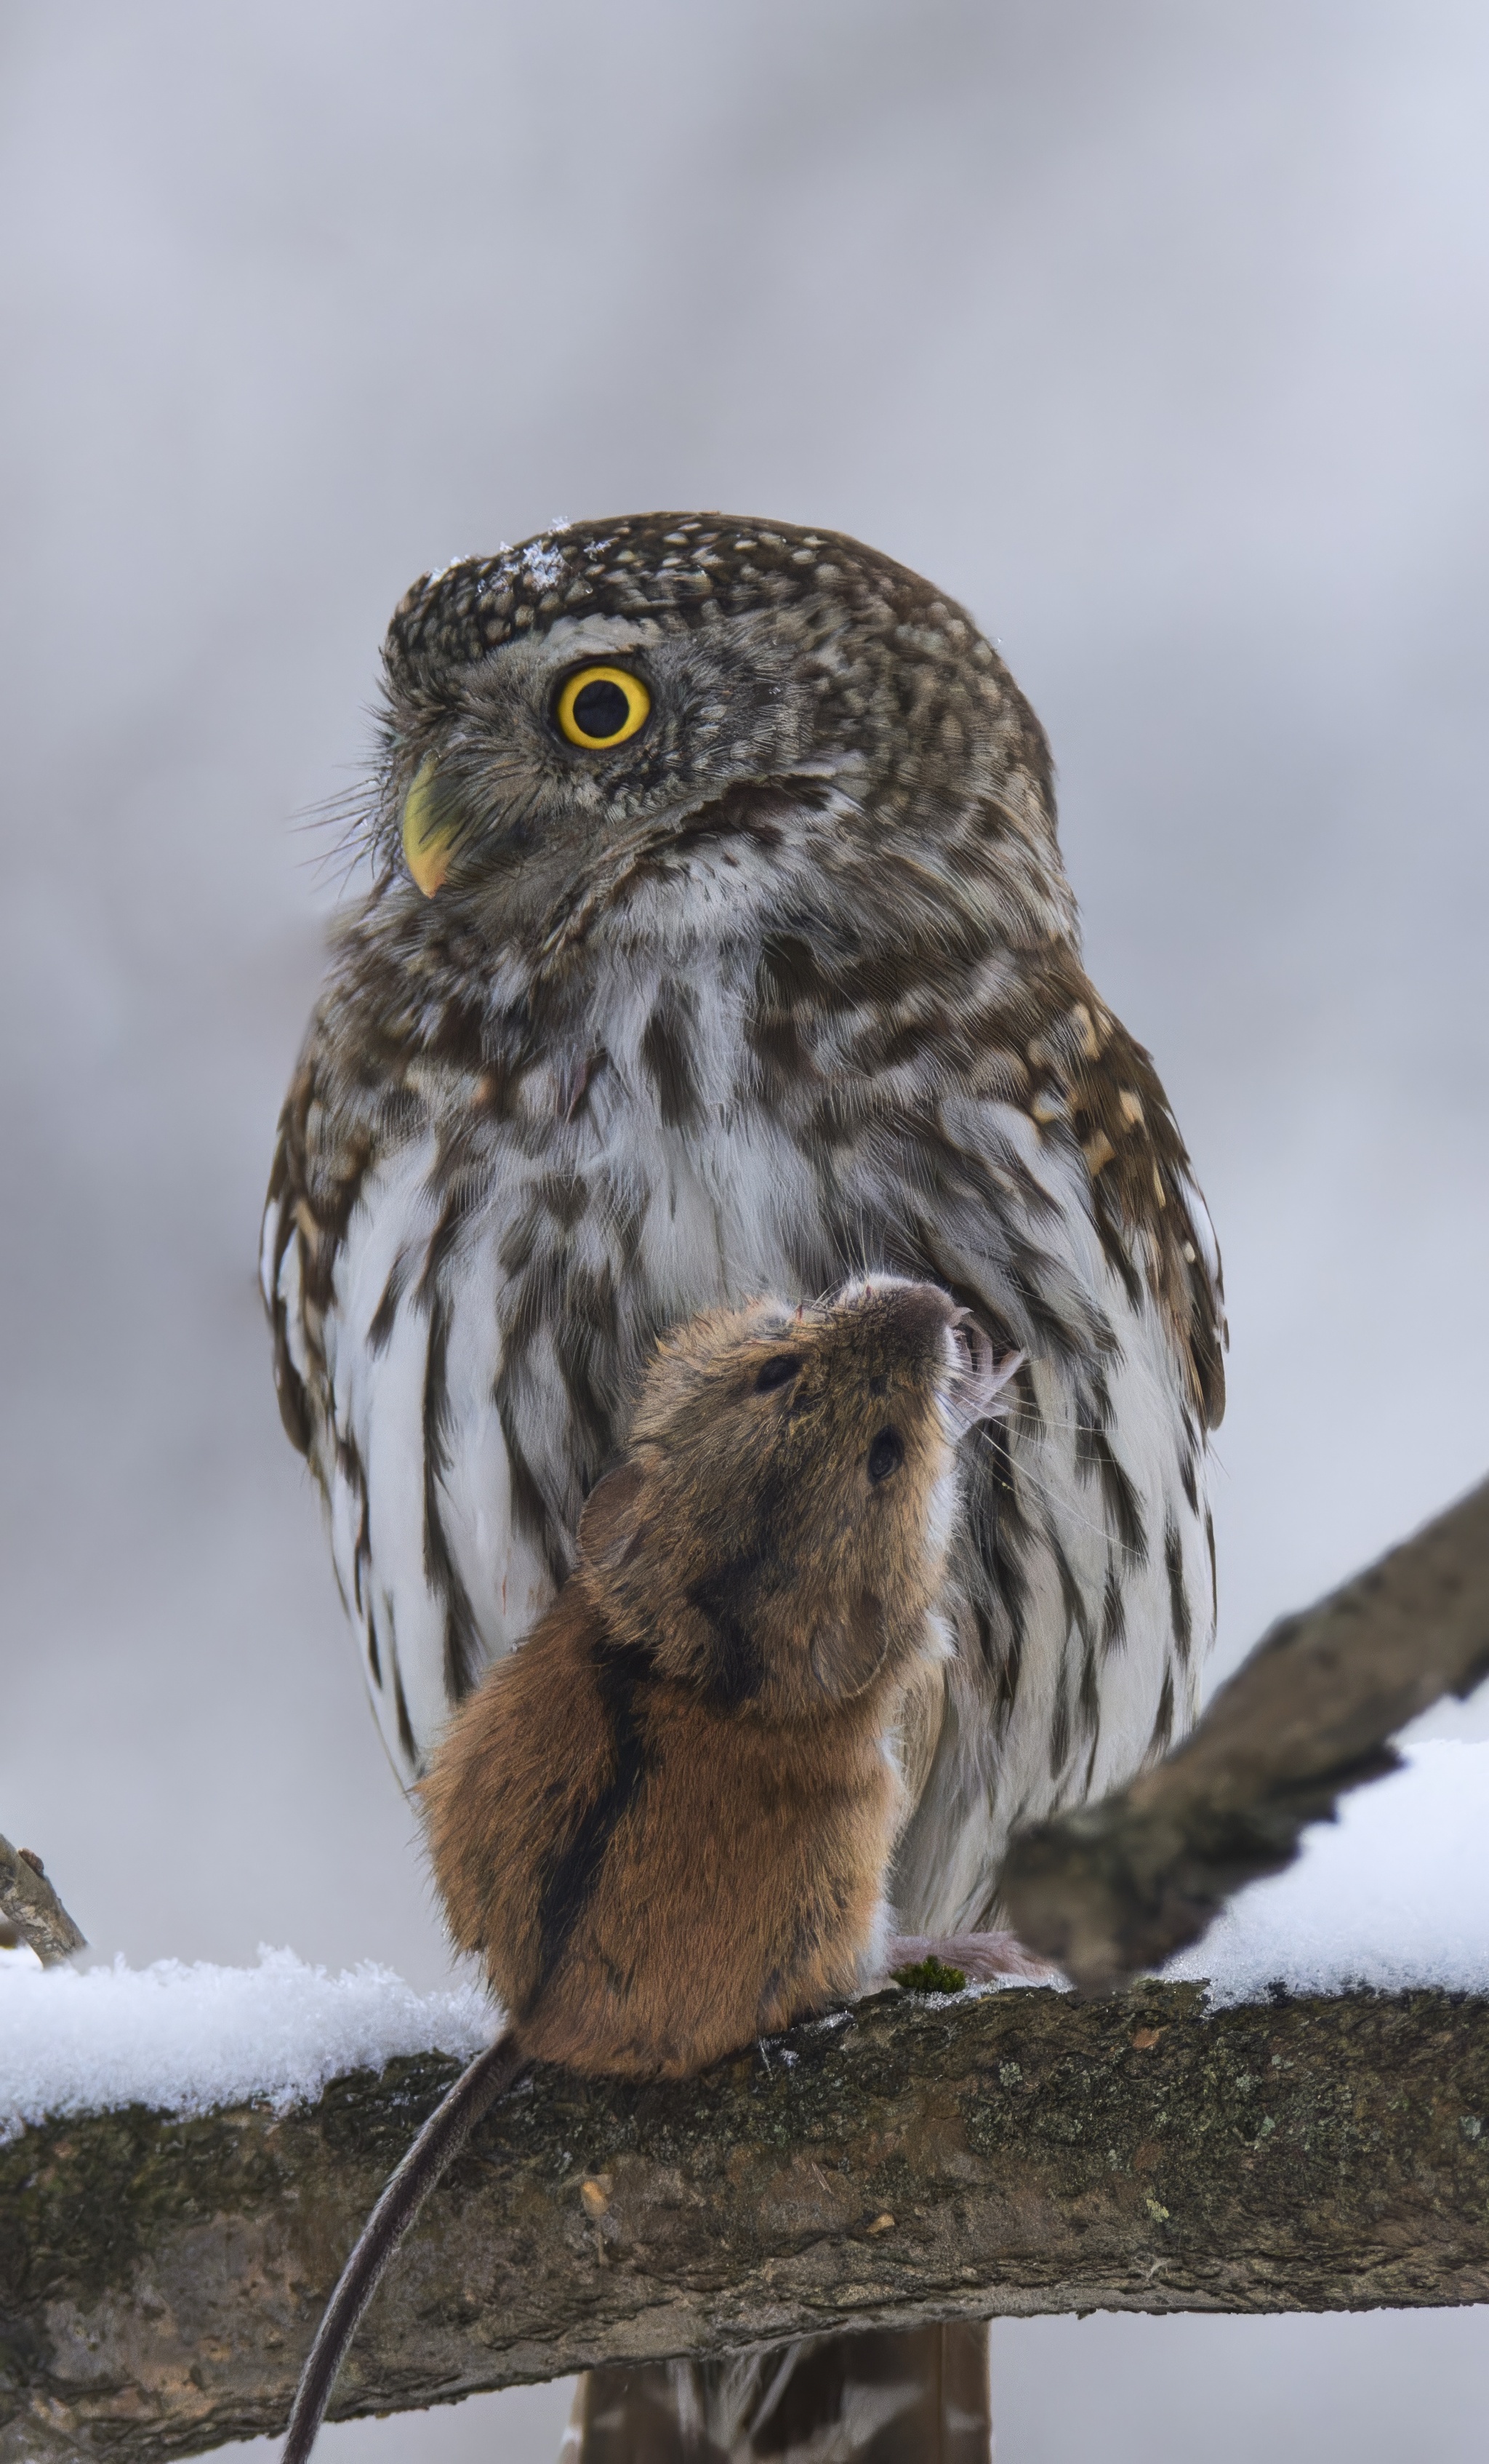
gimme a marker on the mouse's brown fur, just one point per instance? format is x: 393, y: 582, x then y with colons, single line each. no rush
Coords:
x: 663, y: 1822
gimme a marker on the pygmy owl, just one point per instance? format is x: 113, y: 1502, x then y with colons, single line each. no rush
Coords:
x: 718, y: 944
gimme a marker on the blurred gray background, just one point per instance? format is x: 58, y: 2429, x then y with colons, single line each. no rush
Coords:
x: 1155, y: 331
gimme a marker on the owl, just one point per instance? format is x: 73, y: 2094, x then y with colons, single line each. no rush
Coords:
x: 717, y: 944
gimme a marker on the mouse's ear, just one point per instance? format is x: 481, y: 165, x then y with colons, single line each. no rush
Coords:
x: 847, y: 1654
x: 610, y: 1524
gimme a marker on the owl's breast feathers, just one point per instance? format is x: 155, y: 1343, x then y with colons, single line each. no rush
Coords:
x: 482, y: 1213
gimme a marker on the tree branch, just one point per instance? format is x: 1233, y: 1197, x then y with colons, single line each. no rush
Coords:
x: 161, y: 2279
x: 29, y: 1907
x: 1115, y: 1888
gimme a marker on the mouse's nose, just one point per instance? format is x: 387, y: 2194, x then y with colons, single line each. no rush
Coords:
x: 921, y: 1330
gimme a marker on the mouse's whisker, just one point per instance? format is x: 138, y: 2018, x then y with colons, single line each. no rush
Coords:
x: 1038, y: 1420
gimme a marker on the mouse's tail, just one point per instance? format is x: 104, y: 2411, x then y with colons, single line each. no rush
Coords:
x: 438, y: 2144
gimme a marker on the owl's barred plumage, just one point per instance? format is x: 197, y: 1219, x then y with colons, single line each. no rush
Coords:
x: 784, y: 987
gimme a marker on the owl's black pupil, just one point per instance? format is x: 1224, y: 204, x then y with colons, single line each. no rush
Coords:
x: 778, y: 1372
x: 886, y: 1455
x: 602, y: 709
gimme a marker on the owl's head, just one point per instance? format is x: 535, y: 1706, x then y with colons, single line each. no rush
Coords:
x: 669, y: 725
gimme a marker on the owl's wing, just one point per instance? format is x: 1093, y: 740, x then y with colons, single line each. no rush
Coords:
x: 387, y: 1362
x: 1085, y: 1582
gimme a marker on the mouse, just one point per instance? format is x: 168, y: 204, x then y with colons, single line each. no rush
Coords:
x: 662, y: 1824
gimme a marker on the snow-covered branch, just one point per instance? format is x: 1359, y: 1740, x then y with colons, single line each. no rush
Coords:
x: 191, y: 2152
x: 1115, y: 1888
x: 1018, y: 2152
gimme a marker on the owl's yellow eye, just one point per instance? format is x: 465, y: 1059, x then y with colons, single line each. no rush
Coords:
x: 429, y: 830
x: 602, y: 706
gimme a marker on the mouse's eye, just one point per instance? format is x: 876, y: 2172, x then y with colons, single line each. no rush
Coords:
x: 598, y: 706
x: 778, y: 1372
x: 886, y: 1455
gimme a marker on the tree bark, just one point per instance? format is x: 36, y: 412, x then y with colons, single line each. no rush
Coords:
x: 1020, y: 2151
x: 31, y: 1911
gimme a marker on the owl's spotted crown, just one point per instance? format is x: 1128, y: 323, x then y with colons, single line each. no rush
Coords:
x: 639, y: 565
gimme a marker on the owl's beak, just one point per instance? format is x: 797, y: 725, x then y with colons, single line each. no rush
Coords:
x: 428, y: 836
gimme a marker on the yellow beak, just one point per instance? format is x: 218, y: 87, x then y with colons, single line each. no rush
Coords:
x: 428, y: 839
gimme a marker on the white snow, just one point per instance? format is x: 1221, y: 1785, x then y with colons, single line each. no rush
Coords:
x: 1395, y: 1894
x: 186, y: 2038
x: 544, y: 563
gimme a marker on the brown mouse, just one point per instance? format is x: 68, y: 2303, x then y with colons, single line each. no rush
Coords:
x: 664, y: 1822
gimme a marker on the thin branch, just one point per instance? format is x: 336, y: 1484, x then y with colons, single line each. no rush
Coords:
x: 1115, y: 1888
x: 30, y: 1904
